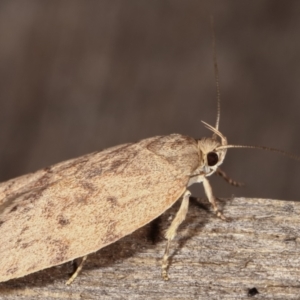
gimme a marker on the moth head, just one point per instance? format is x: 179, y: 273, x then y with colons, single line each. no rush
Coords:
x: 211, y: 154
x: 221, y: 147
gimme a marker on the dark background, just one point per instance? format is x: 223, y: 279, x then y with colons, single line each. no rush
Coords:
x: 80, y: 76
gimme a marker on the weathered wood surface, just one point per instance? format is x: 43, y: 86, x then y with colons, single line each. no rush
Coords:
x: 212, y: 259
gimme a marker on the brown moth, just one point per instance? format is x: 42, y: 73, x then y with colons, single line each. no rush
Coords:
x: 79, y: 206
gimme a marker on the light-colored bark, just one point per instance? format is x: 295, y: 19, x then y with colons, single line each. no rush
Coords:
x: 211, y: 259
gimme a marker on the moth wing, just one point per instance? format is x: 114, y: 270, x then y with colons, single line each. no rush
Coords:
x: 79, y: 206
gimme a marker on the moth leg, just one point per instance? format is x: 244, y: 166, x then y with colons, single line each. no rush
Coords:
x: 79, y: 268
x: 222, y: 174
x: 171, y: 232
x: 211, y: 198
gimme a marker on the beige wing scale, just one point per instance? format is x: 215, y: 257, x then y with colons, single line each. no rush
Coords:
x: 79, y: 206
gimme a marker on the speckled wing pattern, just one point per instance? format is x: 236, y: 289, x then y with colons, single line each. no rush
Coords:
x: 78, y: 206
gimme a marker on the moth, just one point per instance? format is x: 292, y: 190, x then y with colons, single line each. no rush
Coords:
x: 76, y: 207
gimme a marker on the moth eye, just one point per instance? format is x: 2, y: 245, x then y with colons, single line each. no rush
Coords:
x: 212, y: 158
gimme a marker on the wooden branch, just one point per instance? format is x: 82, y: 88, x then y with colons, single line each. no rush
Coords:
x: 212, y: 259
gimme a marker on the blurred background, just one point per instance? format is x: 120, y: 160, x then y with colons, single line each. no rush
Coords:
x: 79, y: 76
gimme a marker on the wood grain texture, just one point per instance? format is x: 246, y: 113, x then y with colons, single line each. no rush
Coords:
x: 211, y: 259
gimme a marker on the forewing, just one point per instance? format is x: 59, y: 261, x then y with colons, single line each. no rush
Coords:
x: 79, y: 206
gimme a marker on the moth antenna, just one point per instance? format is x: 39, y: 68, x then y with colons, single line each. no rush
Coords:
x: 216, y: 133
x: 292, y: 156
x: 216, y: 72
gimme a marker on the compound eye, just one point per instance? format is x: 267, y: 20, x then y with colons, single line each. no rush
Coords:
x: 212, y: 159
